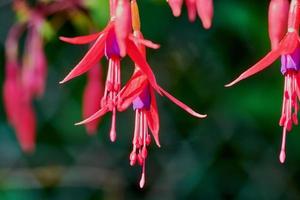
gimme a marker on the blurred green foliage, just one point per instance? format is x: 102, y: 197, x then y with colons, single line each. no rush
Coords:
x: 232, y: 154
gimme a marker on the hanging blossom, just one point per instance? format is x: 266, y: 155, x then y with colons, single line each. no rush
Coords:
x: 108, y: 43
x: 138, y: 91
x: 289, y: 49
x: 204, y: 9
x: 17, y: 102
x: 25, y: 78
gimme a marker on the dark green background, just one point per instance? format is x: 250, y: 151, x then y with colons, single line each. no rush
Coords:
x: 232, y: 154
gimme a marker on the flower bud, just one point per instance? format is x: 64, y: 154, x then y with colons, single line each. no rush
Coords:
x: 176, y: 7
x: 205, y: 12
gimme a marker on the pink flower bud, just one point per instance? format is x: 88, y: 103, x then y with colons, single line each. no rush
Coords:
x: 123, y: 24
x: 205, y: 12
x: 176, y: 7
x: 93, y: 93
x: 191, y: 8
x: 278, y: 18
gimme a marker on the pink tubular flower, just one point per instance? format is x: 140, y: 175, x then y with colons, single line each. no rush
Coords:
x: 17, y: 102
x: 93, y: 92
x: 106, y: 43
x: 139, y: 90
x: 204, y: 8
x: 288, y: 49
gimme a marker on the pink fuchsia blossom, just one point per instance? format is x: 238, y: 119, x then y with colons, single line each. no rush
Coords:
x: 139, y: 92
x: 204, y: 9
x: 17, y: 102
x: 93, y: 92
x: 106, y: 44
x: 288, y: 49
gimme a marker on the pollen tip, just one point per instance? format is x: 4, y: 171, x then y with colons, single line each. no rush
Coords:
x: 201, y: 115
x: 282, y: 156
x: 64, y: 80
x: 113, y: 136
x: 79, y: 123
x: 206, y: 25
x: 142, y: 181
x: 231, y: 83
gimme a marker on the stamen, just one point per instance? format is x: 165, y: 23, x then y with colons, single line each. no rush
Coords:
x: 142, y: 181
x: 282, y: 152
x: 113, y: 134
x: 290, y: 107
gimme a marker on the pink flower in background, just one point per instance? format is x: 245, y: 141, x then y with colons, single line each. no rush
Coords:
x: 288, y: 49
x: 17, y: 101
x: 93, y: 92
x: 204, y: 9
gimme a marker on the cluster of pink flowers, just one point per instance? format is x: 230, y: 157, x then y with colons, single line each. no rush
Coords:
x: 25, y: 79
x: 122, y: 36
x: 284, y: 21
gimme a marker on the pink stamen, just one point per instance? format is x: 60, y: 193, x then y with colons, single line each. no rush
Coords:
x: 113, y: 134
x: 290, y: 107
x: 140, y: 141
x: 112, y: 88
x: 142, y: 181
x: 282, y: 152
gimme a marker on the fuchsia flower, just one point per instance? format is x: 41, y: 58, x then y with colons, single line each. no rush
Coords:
x: 106, y: 44
x: 289, y: 50
x: 139, y: 90
x: 204, y: 9
x: 17, y: 102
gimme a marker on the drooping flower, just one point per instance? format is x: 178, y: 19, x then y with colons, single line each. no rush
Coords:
x: 106, y: 43
x: 289, y: 50
x: 139, y: 92
x: 204, y: 9
x: 17, y: 102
